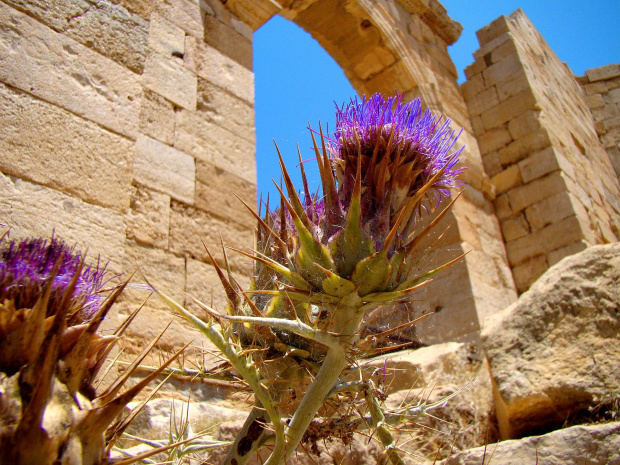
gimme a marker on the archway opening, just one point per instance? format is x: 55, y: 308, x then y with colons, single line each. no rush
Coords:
x: 296, y: 83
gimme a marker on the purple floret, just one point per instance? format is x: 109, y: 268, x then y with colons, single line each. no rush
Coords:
x: 26, y: 266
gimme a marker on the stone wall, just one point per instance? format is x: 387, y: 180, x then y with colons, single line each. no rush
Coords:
x: 126, y: 128
x: 557, y: 192
x: 601, y: 86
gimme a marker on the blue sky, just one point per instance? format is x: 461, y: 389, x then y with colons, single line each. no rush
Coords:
x: 297, y: 81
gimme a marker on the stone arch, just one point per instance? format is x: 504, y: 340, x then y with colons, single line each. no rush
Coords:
x: 401, y: 46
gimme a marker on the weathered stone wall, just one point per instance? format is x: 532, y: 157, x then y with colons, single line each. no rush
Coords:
x: 126, y: 127
x: 601, y: 86
x: 557, y: 191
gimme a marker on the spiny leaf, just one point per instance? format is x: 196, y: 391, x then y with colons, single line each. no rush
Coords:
x: 291, y: 276
x: 352, y: 244
x: 335, y: 285
x: 373, y: 273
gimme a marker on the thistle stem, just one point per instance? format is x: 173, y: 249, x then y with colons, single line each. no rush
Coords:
x: 346, y: 322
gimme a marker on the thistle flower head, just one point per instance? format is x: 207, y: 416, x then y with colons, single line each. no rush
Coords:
x: 402, y: 150
x: 386, y: 164
x: 26, y: 266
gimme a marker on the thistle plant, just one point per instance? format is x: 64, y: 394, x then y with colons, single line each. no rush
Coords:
x: 323, y: 263
x: 51, y: 306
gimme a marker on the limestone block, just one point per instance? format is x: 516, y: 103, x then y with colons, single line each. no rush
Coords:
x: 550, y: 210
x: 522, y: 147
x: 221, y: 12
x: 216, y: 191
x: 555, y: 256
x: 472, y: 87
x: 56, y: 15
x: 217, y: 68
x: 603, y: 113
x: 186, y: 14
x: 524, y: 124
x: 148, y: 220
x: 541, y: 373
x: 475, y: 68
x: 34, y: 210
x: 504, y: 70
x: 493, y: 140
x: 157, y: 117
x: 490, y: 46
x: 206, y: 141
x: 613, y: 96
x: 112, y: 31
x: 203, y: 283
x: 529, y: 271
x: 596, y: 444
x: 492, y: 166
x: 396, y: 76
x: 103, y: 26
x: 228, y: 41
x: 539, y: 164
x: 153, y: 421
x: 492, y: 30
x: 502, y: 206
x: 613, y: 123
x: 595, y: 101
x: 603, y: 72
x: 226, y: 110
x: 150, y: 321
x: 549, y: 238
x: 420, y: 368
x: 512, y: 86
x: 507, y: 179
x: 171, y: 80
x: 189, y: 227
x: 515, y: 227
x: 505, y: 48
x: 163, y: 270
x: 595, y: 88
x: 508, y: 109
x: 599, y: 126
x: 166, y: 38
x: 61, y: 71
x: 611, y: 137
x: 51, y: 146
x: 373, y: 61
x: 165, y: 169
x: 483, y: 101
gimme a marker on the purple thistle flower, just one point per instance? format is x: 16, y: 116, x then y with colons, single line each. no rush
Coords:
x: 401, y: 148
x: 26, y: 266
x: 416, y: 145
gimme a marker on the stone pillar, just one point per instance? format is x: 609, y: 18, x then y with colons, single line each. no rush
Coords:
x: 557, y: 191
x: 602, y: 89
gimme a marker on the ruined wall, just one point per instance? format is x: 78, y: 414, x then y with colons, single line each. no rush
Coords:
x: 128, y: 124
x: 602, y: 88
x: 125, y: 128
x: 557, y: 191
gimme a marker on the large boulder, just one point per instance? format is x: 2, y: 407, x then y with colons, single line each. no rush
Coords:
x: 555, y: 351
x: 591, y: 444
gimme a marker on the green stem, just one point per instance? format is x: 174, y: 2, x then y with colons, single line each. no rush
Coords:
x: 346, y: 322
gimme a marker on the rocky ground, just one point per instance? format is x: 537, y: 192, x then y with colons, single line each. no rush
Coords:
x: 542, y: 387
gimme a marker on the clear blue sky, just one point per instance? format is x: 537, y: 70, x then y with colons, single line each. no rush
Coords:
x: 297, y: 81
